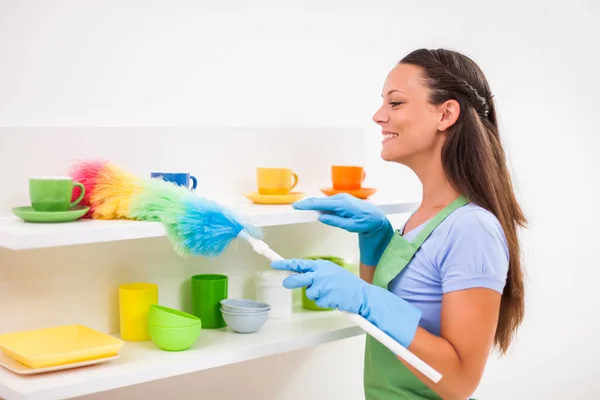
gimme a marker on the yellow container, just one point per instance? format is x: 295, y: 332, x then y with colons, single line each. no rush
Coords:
x: 135, y: 300
x: 59, y: 345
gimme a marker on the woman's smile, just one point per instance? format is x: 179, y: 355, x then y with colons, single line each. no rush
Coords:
x: 388, y: 136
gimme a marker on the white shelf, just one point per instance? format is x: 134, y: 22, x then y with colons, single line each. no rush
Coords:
x: 18, y: 235
x: 143, y: 361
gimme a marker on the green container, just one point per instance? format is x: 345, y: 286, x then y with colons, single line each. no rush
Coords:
x: 207, y: 292
x: 170, y: 317
x: 174, y: 339
x: 311, y: 304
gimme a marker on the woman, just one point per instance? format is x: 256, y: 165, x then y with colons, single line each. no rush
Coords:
x: 448, y: 285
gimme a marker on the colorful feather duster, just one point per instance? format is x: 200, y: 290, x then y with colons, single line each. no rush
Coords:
x: 194, y: 225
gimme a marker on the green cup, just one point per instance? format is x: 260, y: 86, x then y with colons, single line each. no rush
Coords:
x: 53, y: 193
x: 207, y: 292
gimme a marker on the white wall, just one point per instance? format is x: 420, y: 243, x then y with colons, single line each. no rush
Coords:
x: 223, y: 159
x: 286, y: 64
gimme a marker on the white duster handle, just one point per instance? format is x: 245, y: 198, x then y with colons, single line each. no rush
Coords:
x: 262, y: 248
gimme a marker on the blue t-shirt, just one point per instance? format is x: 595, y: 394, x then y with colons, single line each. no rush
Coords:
x: 468, y: 249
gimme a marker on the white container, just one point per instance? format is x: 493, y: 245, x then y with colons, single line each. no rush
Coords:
x: 270, y: 290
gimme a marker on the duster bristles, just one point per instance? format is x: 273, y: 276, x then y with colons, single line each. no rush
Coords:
x: 155, y: 197
x: 204, y: 228
x: 86, y: 172
x: 113, y: 191
x: 108, y: 188
x: 195, y: 226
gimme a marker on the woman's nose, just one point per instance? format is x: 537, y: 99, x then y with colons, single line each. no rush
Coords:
x: 380, y: 116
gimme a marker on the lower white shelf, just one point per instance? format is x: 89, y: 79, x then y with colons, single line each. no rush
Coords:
x: 143, y: 362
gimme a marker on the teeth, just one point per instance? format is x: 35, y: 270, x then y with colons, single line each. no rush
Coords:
x: 389, y: 135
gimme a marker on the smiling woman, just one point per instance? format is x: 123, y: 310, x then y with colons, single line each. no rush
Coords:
x: 448, y: 284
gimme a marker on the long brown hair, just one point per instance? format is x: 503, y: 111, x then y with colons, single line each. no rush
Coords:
x: 474, y: 162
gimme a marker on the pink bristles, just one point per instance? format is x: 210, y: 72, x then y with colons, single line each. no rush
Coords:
x: 86, y: 172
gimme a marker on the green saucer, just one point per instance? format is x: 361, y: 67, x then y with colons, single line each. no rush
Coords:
x: 28, y: 214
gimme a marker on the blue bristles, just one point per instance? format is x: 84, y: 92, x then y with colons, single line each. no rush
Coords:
x: 204, y: 228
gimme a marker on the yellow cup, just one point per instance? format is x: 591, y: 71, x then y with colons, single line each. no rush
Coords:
x: 134, y: 301
x: 272, y: 181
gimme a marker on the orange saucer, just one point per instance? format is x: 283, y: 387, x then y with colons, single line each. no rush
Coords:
x: 288, y: 198
x: 361, y: 193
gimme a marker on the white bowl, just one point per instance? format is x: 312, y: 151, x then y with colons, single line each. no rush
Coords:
x: 244, y: 306
x: 245, y: 323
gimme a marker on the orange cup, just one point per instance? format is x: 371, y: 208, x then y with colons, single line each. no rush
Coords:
x: 347, y: 177
x: 273, y: 181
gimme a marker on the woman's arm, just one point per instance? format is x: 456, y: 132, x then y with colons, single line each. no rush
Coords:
x: 366, y: 273
x: 468, y: 320
x: 468, y: 324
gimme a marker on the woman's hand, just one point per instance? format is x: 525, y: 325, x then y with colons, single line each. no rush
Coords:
x: 328, y: 284
x: 354, y: 215
x: 332, y: 286
x: 346, y: 212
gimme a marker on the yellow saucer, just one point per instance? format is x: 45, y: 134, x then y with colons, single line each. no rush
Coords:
x: 288, y: 198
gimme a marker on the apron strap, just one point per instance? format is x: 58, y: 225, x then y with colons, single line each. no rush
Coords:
x: 399, y: 252
x: 437, y: 219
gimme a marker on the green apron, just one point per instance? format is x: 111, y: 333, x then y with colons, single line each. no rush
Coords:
x: 385, y: 376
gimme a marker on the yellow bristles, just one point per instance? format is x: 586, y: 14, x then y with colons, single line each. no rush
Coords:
x: 113, y: 191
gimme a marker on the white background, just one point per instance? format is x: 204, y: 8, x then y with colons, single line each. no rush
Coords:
x: 286, y: 65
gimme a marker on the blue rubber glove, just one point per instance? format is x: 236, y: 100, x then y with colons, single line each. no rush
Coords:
x: 354, y: 215
x: 332, y: 286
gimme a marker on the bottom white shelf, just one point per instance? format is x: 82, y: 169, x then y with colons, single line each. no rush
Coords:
x: 143, y: 361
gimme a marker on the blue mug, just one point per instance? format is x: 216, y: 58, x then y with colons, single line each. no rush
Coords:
x: 179, y: 178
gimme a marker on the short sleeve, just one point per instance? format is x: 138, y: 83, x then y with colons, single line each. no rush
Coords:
x: 474, y: 254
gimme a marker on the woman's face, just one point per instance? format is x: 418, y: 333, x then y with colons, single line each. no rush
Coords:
x: 410, y: 124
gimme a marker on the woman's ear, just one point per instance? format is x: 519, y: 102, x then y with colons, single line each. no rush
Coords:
x: 450, y: 110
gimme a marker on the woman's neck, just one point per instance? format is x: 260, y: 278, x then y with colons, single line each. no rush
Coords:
x: 437, y: 190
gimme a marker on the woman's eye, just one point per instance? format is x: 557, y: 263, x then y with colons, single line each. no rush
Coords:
x: 395, y: 103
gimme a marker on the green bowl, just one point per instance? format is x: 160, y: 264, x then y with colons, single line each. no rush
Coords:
x: 311, y: 304
x: 170, y: 317
x: 174, y: 339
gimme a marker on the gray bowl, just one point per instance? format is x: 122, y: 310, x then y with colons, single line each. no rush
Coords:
x: 243, y: 306
x: 245, y: 323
